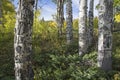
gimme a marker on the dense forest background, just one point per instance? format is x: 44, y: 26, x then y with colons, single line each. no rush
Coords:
x: 53, y: 58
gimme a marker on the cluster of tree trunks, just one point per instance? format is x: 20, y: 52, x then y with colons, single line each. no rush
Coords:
x: 23, y: 33
x: 105, y: 31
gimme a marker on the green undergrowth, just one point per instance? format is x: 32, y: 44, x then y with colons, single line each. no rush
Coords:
x: 53, y: 59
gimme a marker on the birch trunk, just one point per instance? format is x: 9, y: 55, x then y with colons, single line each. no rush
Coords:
x: 60, y: 16
x: 91, y: 26
x: 23, y: 40
x: 69, y: 21
x: 105, y: 34
x: 82, y: 27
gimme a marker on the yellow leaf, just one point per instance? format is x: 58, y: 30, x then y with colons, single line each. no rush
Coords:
x: 117, y: 17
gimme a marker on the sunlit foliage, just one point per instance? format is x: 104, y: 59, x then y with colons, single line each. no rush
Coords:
x: 117, y: 17
x: 50, y: 58
x: 8, y: 16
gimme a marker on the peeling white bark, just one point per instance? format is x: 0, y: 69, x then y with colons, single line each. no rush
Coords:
x: 69, y: 32
x: 23, y: 40
x: 105, y: 34
x: 82, y: 27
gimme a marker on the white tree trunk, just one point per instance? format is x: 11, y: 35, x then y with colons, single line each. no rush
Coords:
x: 105, y: 34
x: 69, y: 21
x: 82, y: 27
x: 23, y: 40
x: 91, y: 26
x: 60, y: 16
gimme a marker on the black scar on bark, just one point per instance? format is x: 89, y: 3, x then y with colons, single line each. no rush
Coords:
x: 32, y: 2
x: 18, y: 49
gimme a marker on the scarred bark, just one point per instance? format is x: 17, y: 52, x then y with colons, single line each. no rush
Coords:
x: 82, y: 27
x: 105, y: 34
x: 91, y: 26
x: 69, y: 32
x: 23, y: 40
x: 60, y: 16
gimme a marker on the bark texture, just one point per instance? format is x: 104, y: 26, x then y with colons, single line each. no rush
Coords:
x: 60, y: 16
x: 105, y: 34
x: 0, y: 12
x: 23, y: 40
x: 82, y: 27
x: 69, y: 21
x: 91, y: 26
